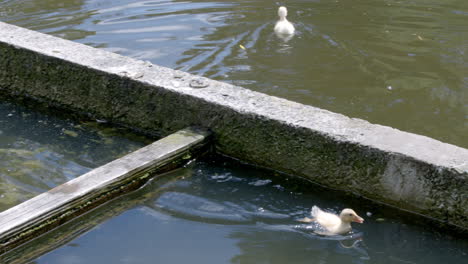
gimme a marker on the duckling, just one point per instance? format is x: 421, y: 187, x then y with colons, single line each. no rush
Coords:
x: 283, y: 26
x: 334, y: 224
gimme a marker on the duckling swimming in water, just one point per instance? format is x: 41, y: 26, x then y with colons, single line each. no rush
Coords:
x: 334, y: 224
x: 283, y: 26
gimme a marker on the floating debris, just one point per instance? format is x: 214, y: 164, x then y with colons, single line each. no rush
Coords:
x: 380, y: 219
x: 260, y: 182
x: 418, y: 36
x: 242, y: 47
x: 70, y: 133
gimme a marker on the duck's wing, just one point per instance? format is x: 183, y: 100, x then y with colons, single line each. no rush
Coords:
x: 315, y: 211
x: 327, y: 220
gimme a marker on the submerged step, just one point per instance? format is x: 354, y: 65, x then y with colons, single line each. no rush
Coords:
x: 409, y: 171
x: 46, y: 211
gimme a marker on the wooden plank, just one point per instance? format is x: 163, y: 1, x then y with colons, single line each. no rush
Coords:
x: 26, y: 253
x: 69, y: 200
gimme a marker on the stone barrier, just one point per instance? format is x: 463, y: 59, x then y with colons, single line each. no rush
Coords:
x: 405, y: 170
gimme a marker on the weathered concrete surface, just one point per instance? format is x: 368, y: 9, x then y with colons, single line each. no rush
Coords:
x: 409, y: 171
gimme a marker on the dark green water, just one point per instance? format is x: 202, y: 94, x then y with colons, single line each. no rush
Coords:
x: 39, y: 151
x: 219, y: 211
x: 397, y: 63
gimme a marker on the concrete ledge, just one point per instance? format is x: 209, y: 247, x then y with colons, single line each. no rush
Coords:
x: 48, y: 210
x: 409, y: 171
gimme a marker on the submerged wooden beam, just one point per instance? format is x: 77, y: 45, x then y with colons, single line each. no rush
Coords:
x: 27, y: 253
x: 69, y: 200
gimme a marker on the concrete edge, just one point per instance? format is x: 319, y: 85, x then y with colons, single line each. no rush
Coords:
x: 406, y: 170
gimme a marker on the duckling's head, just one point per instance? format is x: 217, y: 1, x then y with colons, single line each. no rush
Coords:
x: 282, y: 12
x: 348, y: 215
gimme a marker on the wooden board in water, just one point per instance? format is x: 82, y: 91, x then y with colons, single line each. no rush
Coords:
x: 46, y: 211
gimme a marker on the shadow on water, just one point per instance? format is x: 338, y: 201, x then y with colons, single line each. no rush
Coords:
x: 395, y: 63
x: 219, y: 211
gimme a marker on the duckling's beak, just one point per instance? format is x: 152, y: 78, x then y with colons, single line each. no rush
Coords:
x: 358, y: 219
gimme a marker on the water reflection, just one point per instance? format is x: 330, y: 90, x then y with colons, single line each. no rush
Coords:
x: 222, y: 212
x: 59, y: 18
x: 270, y: 247
x: 343, y: 57
x: 284, y: 37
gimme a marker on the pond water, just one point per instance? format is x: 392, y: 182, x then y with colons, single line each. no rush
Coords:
x: 219, y: 211
x: 398, y: 63
x: 392, y: 62
x: 39, y: 151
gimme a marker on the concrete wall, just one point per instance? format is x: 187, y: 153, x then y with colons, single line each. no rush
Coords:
x: 406, y: 170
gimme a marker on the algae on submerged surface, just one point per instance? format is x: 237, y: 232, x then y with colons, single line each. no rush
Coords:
x: 40, y: 150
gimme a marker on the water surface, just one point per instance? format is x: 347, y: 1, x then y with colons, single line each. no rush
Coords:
x: 39, y: 150
x: 397, y: 63
x: 219, y: 211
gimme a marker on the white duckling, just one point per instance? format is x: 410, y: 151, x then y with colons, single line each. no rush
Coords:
x: 283, y: 26
x: 334, y: 224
